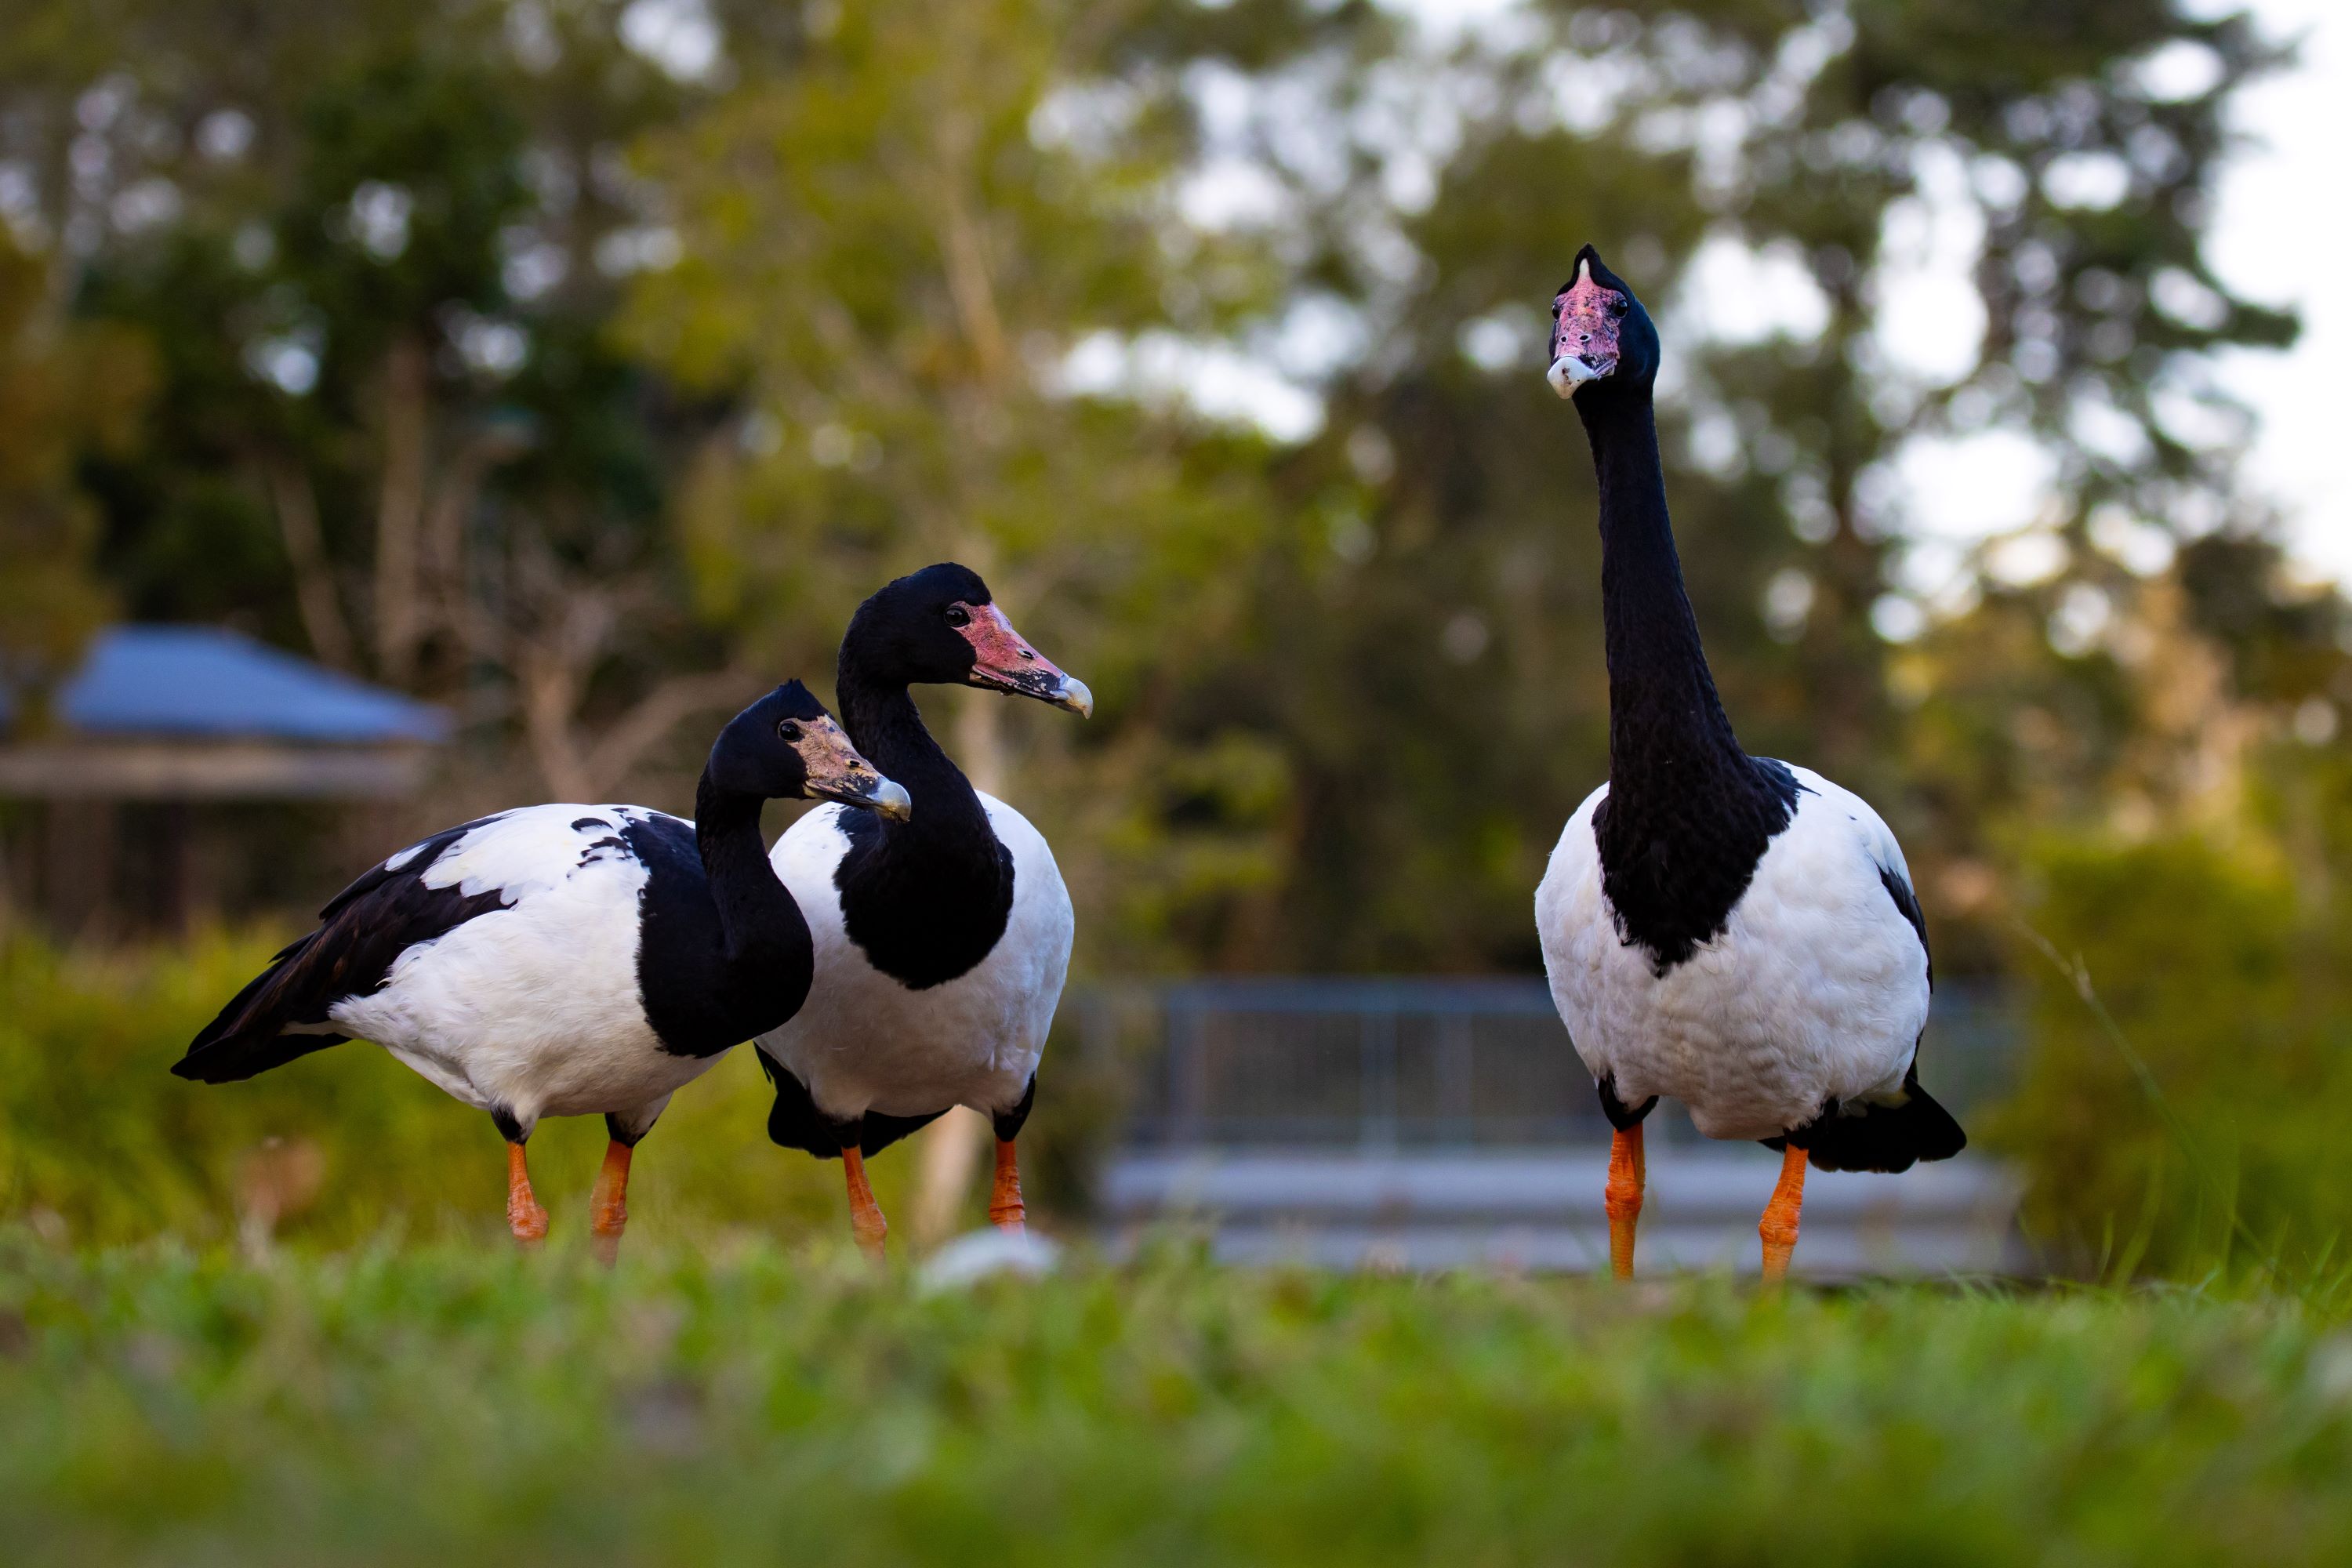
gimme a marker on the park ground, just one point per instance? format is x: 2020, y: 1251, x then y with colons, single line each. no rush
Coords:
x: 742, y: 1400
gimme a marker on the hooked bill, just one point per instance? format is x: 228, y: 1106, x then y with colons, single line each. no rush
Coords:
x: 836, y: 770
x: 1005, y: 661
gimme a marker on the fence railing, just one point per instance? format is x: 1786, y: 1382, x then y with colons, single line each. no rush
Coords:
x: 1389, y: 1064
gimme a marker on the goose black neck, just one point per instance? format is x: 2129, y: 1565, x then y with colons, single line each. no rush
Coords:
x: 883, y: 723
x: 1665, y: 717
x: 926, y: 898
x: 756, y: 913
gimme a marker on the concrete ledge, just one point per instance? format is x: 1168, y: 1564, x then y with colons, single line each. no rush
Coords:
x: 1541, y: 1209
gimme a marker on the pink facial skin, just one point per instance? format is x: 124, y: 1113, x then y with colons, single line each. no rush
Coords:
x: 1006, y: 662
x: 1585, y: 320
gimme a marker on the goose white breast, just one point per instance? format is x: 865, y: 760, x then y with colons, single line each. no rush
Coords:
x: 1816, y: 990
x: 866, y: 1040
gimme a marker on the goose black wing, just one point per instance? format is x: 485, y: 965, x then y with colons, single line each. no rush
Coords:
x: 282, y: 1014
x: 1906, y: 904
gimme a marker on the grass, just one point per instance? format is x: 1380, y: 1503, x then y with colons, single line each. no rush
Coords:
x: 452, y: 1403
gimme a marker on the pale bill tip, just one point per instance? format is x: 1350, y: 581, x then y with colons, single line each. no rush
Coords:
x: 891, y: 799
x: 1568, y: 373
x: 1074, y: 696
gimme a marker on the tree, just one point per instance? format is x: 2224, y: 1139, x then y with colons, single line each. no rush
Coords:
x: 572, y: 381
x: 892, y: 244
x: 375, y: 251
x: 1433, y: 204
x: 65, y: 388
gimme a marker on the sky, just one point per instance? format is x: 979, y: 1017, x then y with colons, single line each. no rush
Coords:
x: 2283, y: 236
x: 2282, y: 232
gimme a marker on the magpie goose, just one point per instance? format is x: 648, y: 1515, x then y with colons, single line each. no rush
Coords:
x: 1733, y: 931
x: 566, y: 960
x: 942, y: 938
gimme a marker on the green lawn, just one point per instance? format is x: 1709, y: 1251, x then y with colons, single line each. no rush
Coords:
x: 746, y: 1403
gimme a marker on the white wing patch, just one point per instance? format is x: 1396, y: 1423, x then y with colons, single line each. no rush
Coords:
x: 522, y: 853
x: 533, y: 1008
x: 1877, y: 838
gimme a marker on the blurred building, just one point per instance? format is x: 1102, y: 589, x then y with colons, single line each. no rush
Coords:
x: 180, y: 769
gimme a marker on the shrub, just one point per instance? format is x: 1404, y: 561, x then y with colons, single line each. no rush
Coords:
x: 98, y: 1138
x: 2224, y: 976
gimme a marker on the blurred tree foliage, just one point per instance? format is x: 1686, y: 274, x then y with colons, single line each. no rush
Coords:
x: 1805, y: 156
x: 582, y: 362
x: 375, y: 249
x: 65, y: 387
x: 892, y: 243
x: 99, y: 1143
x: 2222, y: 959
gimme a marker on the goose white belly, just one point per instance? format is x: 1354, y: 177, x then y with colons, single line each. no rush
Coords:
x: 864, y: 1040
x: 1816, y: 988
x: 534, y: 1009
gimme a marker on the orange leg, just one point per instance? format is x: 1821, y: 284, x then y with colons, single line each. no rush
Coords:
x: 524, y: 1217
x: 1623, y: 1197
x: 865, y: 1221
x: 608, y: 1203
x: 1005, y: 1207
x: 1778, y: 1227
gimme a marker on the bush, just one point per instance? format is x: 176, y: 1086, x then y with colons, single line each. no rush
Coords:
x: 99, y: 1141
x: 2225, y: 975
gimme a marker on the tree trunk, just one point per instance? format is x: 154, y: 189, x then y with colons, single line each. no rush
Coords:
x: 400, y: 512
x: 951, y: 1147
x: 980, y: 740
x: 548, y: 686
x: 306, y: 551
x: 949, y: 1153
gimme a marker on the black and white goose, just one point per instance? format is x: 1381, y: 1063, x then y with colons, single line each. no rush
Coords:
x: 566, y: 960
x: 1732, y: 931
x: 941, y: 938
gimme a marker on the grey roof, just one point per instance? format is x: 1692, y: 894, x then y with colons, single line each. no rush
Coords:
x: 190, y: 682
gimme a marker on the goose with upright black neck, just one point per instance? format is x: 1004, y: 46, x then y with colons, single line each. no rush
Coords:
x: 1728, y: 930
x: 566, y: 960
x: 942, y: 940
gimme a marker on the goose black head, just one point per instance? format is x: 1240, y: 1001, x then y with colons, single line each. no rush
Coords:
x: 786, y: 745
x: 1600, y: 331
x: 938, y: 627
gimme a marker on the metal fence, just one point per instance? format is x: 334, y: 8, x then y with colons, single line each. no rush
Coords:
x: 1384, y: 1065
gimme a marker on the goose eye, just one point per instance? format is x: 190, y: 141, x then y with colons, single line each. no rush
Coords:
x: 1617, y: 307
x: 957, y: 616
x: 789, y: 729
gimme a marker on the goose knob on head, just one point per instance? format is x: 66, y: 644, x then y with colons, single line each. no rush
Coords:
x: 566, y: 960
x: 942, y: 939
x: 1731, y: 932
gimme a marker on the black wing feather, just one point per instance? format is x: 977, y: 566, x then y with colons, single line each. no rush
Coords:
x: 796, y: 1122
x: 1906, y: 904
x: 364, y: 928
x: 1885, y: 1137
